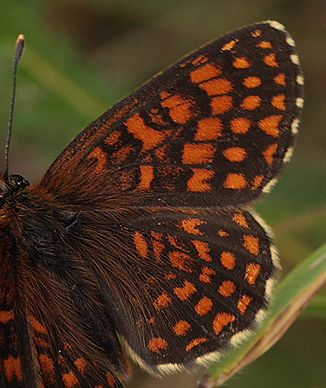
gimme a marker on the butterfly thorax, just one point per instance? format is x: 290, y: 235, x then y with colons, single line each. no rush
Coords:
x: 35, y: 223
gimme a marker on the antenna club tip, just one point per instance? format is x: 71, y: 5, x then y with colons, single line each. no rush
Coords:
x: 20, y: 37
x: 20, y: 45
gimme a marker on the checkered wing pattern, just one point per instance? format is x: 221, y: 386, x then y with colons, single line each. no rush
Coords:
x: 213, y: 130
x: 141, y: 226
x: 203, y: 278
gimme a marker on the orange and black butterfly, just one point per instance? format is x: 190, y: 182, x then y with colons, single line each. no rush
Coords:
x: 138, y: 239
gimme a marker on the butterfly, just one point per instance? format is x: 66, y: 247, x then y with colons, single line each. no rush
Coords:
x: 138, y: 239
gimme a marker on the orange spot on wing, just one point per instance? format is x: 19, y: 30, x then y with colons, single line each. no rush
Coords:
x: 169, y: 276
x: 110, y: 379
x: 146, y: 177
x: 256, y: 33
x: 151, y: 320
x: 270, y: 124
x: 252, y: 82
x: 195, y: 342
x: 241, y: 63
x: 100, y: 155
x: 36, y: 324
x: 204, y: 306
x: 270, y: 60
x: 69, y: 379
x: 140, y: 243
x: 235, y: 181
x: 12, y: 368
x: 202, y: 248
x: 257, y: 181
x: 209, y: 128
x: 240, y: 125
x: 221, y: 320
x: 158, y: 247
x: 164, y: 95
x: 228, y: 260
x: 250, y: 102
x: 278, y: 101
x: 80, y: 364
x: 47, y: 367
x: 235, y: 154
x: 190, y: 225
x: 175, y: 241
x: 221, y: 104
x: 181, y: 261
x: 216, y: 86
x: 251, y: 243
x: 206, y: 274
x: 199, y: 180
x: 6, y: 316
x: 156, y: 235
x: 41, y: 342
x: 264, y: 44
x: 180, y: 109
x: 149, y: 136
x: 280, y: 79
x: 269, y: 153
x: 204, y: 73
x: 156, y: 344
x: 162, y: 301
x: 229, y: 45
x: 200, y: 60
x: 186, y: 291
x: 243, y: 303
x: 198, y: 153
x: 227, y: 288
x: 222, y: 233
x: 181, y: 327
x: 252, y: 271
x: 240, y: 219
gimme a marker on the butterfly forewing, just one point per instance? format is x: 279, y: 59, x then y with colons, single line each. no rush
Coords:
x: 140, y: 227
x: 214, y: 127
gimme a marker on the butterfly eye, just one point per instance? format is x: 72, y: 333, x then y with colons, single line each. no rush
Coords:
x: 18, y: 181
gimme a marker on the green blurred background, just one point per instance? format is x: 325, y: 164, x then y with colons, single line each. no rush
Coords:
x: 82, y: 56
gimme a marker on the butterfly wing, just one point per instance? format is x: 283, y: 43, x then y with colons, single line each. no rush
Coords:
x: 143, y: 228
x: 212, y: 130
x: 185, y: 283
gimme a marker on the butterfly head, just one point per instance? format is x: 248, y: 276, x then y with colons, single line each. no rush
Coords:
x: 13, y: 184
x: 9, y: 187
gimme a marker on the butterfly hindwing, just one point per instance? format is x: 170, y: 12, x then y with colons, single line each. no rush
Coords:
x: 198, y: 279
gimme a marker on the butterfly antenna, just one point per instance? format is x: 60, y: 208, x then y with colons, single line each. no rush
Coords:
x: 19, y: 49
